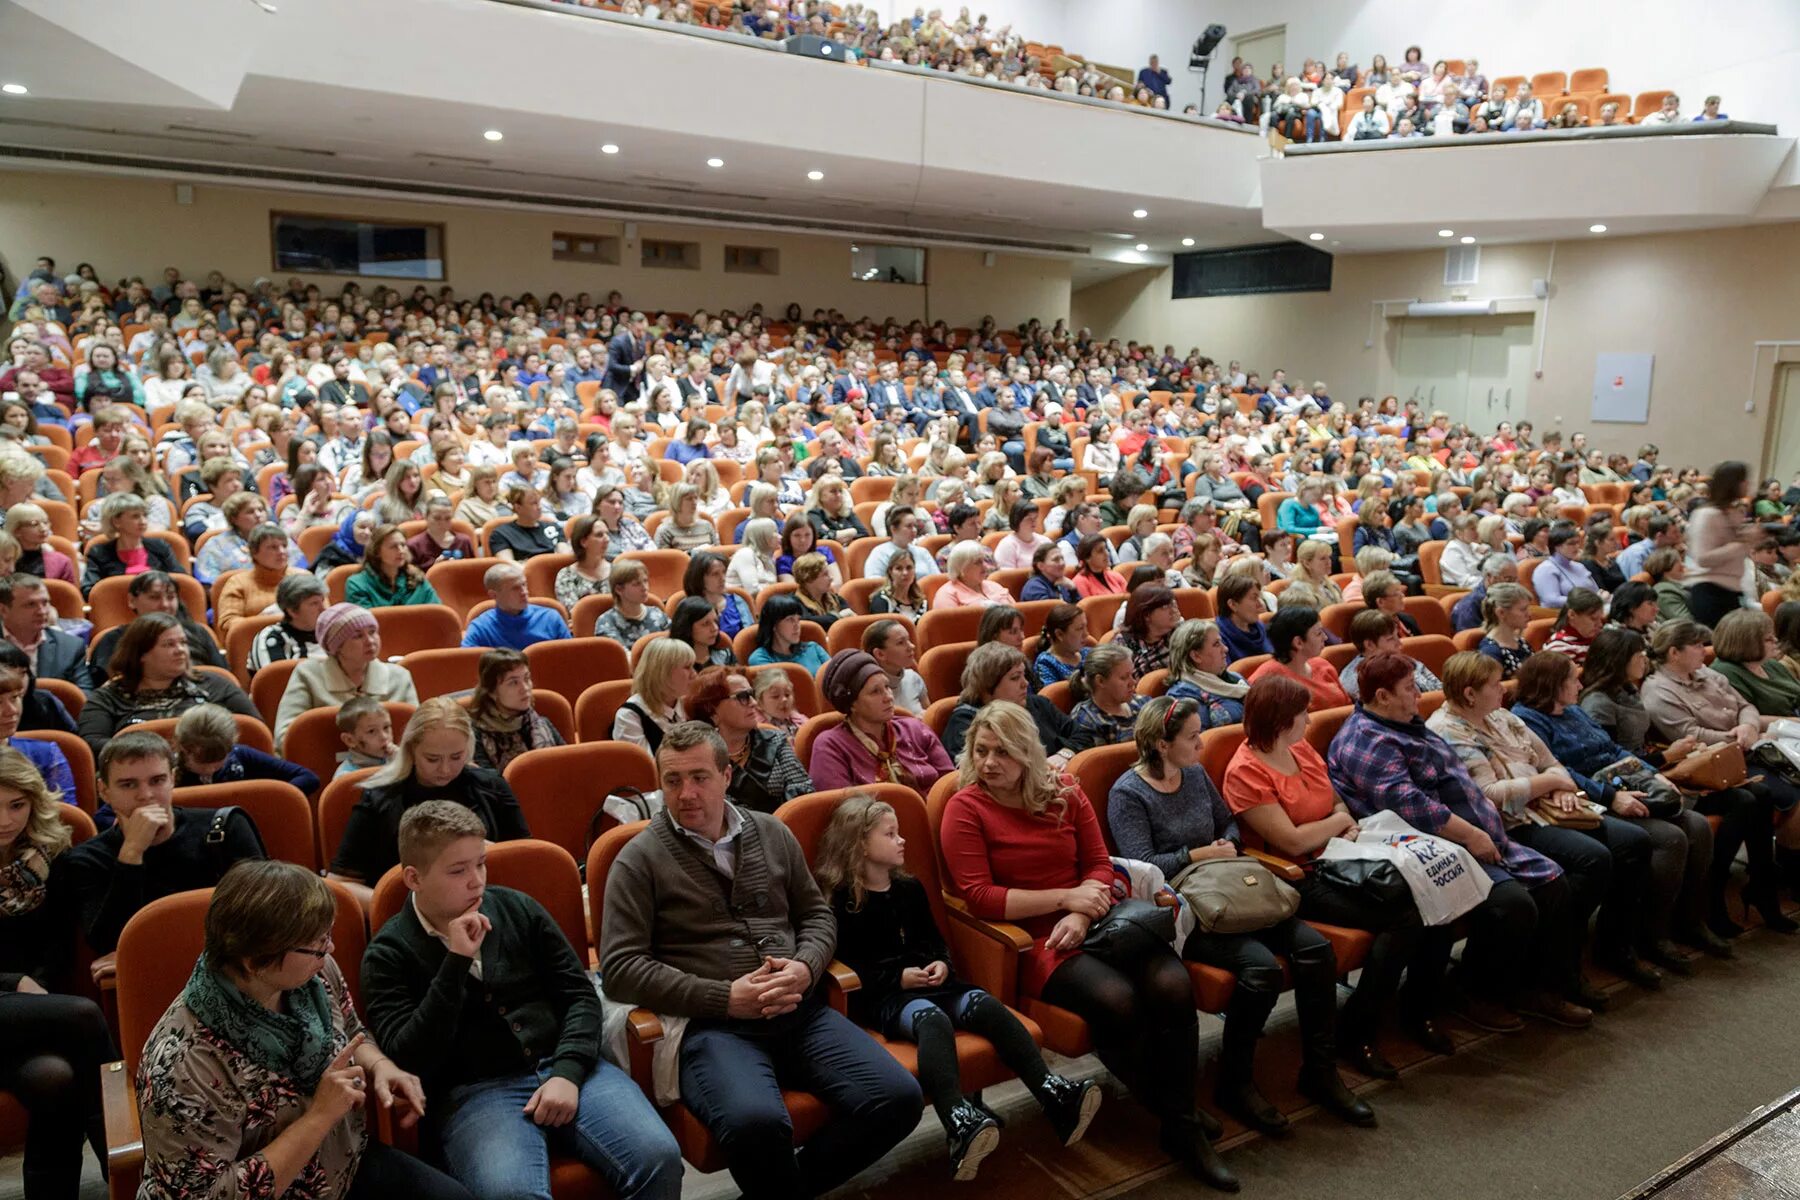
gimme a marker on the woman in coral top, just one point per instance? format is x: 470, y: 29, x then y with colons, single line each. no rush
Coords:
x: 969, y: 585
x: 1022, y: 844
x: 1296, y: 637
x: 1094, y: 575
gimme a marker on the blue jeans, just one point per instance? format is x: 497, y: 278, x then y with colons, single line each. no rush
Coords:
x: 499, y: 1153
x: 1015, y: 454
x: 732, y: 1074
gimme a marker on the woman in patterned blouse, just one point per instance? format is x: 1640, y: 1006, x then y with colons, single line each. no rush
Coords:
x: 253, y: 1083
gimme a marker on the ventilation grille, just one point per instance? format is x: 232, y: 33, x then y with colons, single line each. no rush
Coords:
x: 1462, y: 266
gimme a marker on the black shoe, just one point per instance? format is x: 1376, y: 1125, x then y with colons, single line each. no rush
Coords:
x: 1070, y: 1106
x: 1706, y: 941
x: 1366, y: 1059
x: 1209, y: 1124
x: 973, y: 1136
x: 1325, y: 1087
x: 1486, y: 1014
x: 1588, y: 996
x: 1770, y: 912
x: 1667, y: 955
x: 1547, y: 1006
x: 1251, y: 1108
x: 1720, y: 922
x: 1632, y: 970
x: 1188, y: 1145
x: 1429, y: 1034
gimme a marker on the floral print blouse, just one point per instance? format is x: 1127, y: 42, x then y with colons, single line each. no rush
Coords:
x: 207, y: 1110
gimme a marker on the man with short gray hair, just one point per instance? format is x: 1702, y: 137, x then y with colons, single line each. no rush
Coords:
x: 514, y: 622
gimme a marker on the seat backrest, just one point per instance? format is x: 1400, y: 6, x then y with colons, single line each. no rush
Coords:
x: 1548, y: 85
x: 1428, y: 613
x: 558, y: 813
x: 339, y: 796
x: 1649, y: 102
x: 941, y: 667
x: 1527, y: 569
x: 251, y: 732
x: 160, y: 944
x: 541, y: 571
x: 1588, y: 80
x: 588, y: 611
x: 281, y: 812
x: 444, y: 672
x: 808, y: 816
x: 666, y: 568
x: 1337, y: 617
x: 809, y: 733
x: 81, y: 826
x: 313, y: 742
x: 1538, y: 632
x: 1100, y: 611
x: 268, y: 685
x: 596, y: 707
x: 109, y: 602
x: 1096, y: 770
x: 545, y: 872
x: 846, y: 633
x: 81, y: 764
x: 244, y: 632
x: 409, y: 627
x: 937, y: 714
x: 569, y: 666
x: 457, y: 581
x: 600, y: 858
x: 1217, y: 745
x: 1324, y: 724
x: 1431, y: 556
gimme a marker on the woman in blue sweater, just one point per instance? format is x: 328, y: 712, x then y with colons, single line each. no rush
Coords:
x: 1299, y: 513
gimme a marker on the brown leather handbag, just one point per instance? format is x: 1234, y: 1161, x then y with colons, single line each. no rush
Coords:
x: 1710, y: 768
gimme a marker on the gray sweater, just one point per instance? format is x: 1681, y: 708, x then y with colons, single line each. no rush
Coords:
x: 1622, y: 715
x: 1160, y: 828
x: 675, y: 931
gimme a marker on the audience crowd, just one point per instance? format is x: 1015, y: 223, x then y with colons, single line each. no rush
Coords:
x: 1211, y: 612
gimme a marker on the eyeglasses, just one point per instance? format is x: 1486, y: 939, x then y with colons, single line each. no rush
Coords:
x: 747, y: 696
x: 320, y: 954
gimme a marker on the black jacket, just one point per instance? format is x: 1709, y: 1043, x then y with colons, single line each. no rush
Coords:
x: 62, y: 656
x: 372, y: 838
x: 103, y: 562
x: 1054, y: 728
x: 771, y: 777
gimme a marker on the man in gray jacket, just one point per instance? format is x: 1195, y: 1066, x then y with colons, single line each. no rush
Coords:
x: 712, y: 914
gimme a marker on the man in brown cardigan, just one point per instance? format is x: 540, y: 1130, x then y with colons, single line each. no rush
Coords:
x: 712, y: 914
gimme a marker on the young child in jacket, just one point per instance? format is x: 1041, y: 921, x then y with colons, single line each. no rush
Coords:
x: 887, y: 935
x: 206, y: 735
x: 367, y: 733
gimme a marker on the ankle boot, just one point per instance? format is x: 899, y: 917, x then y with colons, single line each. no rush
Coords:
x: 1184, y: 1141
x: 973, y: 1136
x: 1235, y: 1091
x: 1766, y: 900
x: 1321, y: 1083
x: 1069, y: 1105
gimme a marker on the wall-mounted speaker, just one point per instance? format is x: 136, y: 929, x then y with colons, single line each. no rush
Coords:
x: 989, y: 259
x: 1540, y: 288
x: 631, y: 231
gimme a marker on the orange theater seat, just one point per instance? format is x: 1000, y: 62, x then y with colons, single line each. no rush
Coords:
x: 560, y: 788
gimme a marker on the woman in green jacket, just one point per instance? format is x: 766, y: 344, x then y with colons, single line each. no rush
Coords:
x: 388, y: 576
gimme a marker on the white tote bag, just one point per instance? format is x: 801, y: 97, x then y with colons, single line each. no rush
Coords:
x: 1445, y: 879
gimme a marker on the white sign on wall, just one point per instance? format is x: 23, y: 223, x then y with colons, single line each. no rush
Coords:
x: 1622, y: 387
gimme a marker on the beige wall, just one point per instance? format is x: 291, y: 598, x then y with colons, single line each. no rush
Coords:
x: 1697, y: 301
x: 133, y: 226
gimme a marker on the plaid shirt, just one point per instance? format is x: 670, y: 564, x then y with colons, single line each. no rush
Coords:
x: 1409, y: 770
x: 1096, y: 728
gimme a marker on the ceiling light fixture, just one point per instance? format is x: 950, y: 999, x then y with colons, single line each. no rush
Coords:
x: 1187, y: 241
x: 1596, y: 229
x: 1466, y: 240
x: 1140, y: 213
x: 715, y: 162
x: 1446, y: 233
x: 13, y: 89
x: 1315, y: 237
x: 815, y: 176
x: 493, y: 135
x: 609, y: 148
x: 1142, y: 246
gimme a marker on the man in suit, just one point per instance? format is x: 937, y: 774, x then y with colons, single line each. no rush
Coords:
x: 888, y: 399
x: 960, y: 402
x: 29, y: 622
x: 857, y: 379
x: 625, y: 358
x: 989, y: 395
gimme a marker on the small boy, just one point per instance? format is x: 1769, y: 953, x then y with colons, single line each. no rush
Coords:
x: 476, y: 989
x: 206, y: 736
x: 367, y: 733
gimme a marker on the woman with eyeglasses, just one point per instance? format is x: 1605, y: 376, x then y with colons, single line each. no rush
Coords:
x: 764, y: 772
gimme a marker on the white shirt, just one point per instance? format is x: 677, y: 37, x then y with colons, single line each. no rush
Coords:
x: 909, y: 692
x: 723, y: 851
x: 877, y: 564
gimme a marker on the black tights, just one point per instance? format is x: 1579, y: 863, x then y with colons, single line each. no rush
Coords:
x: 1746, y: 818
x: 1142, y: 1016
x: 934, y: 1031
x: 55, y: 1047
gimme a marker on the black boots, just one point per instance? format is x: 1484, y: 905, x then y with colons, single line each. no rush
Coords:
x: 973, y: 1136
x: 1185, y: 1142
x: 1250, y: 1107
x: 1320, y: 1083
x: 1069, y: 1105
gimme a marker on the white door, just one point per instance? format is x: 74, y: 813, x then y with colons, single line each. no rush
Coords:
x: 1263, y: 49
x: 1431, y: 365
x: 1476, y: 369
x: 1783, y: 455
x: 1499, y: 369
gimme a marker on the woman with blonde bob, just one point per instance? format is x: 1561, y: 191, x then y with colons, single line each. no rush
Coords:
x: 752, y: 566
x: 435, y: 761
x: 1314, y: 560
x: 265, y: 1044
x: 659, y: 681
x: 1022, y: 844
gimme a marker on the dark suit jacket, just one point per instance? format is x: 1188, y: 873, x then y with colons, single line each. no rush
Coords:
x: 62, y: 656
x: 885, y: 397
x: 840, y: 388
x: 621, y: 352
x: 709, y: 389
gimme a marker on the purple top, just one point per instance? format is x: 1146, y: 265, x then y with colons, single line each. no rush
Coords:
x: 839, y: 759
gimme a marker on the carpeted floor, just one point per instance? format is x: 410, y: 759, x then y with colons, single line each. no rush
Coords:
x: 1547, y: 1113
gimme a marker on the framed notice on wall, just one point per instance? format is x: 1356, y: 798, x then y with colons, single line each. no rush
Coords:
x: 1622, y: 387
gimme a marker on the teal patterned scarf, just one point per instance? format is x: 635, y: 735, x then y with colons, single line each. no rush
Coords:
x: 298, y: 1042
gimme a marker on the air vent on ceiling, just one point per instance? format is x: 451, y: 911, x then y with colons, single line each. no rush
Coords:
x: 233, y: 134
x: 1462, y: 265
x: 452, y: 158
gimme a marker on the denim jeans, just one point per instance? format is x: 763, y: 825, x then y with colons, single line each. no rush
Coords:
x: 732, y: 1073
x: 491, y: 1146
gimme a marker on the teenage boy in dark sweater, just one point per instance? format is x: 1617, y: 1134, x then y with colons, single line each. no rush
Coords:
x: 476, y: 990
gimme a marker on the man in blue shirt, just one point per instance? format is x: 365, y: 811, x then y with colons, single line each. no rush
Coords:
x: 1660, y: 533
x: 1155, y: 78
x: 514, y: 622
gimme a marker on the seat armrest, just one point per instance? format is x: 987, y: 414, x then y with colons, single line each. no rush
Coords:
x: 118, y: 1106
x: 105, y: 970
x: 643, y: 1029
x: 1283, y: 869
x: 986, y: 953
x: 840, y: 981
x: 1003, y: 931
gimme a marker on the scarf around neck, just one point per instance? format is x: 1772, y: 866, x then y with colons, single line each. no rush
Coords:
x: 1234, y: 688
x: 297, y: 1042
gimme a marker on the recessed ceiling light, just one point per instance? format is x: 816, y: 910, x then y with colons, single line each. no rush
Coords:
x: 715, y: 162
x: 1596, y: 229
x: 609, y: 148
x: 1140, y: 213
x: 1466, y: 240
x: 13, y: 89
x: 815, y: 176
x: 1187, y: 241
x: 1315, y: 237
x: 493, y: 135
x: 1446, y: 233
x: 1142, y: 246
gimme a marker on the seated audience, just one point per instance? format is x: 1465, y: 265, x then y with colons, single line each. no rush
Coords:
x: 969, y: 586
x: 764, y: 772
x: 265, y: 1044
x: 1198, y: 672
x: 1374, y: 632
x: 755, y: 1018
x: 153, y: 677
x: 247, y: 593
x: 124, y: 522
x: 435, y: 761
x: 367, y: 732
x: 996, y: 671
x: 1022, y: 844
x: 890, y: 643
x: 659, y: 681
x: 1240, y: 618
x: 301, y: 598
x: 875, y: 743
x: 154, y: 849
x: 903, y: 527
x: 1062, y: 645
x: 1748, y: 654
x: 631, y: 616
x: 388, y: 576
x: 514, y: 622
x: 900, y: 593
x: 1297, y: 636
x: 696, y: 622
x: 1108, y: 713
x: 1561, y: 572
x: 1504, y: 615
x: 352, y: 666
x: 705, y: 578
x: 154, y: 591
x: 206, y: 737
x: 780, y: 638
x: 30, y: 527
x: 28, y: 621
x: 527, y: 535
x: 507, y: 723
x: 465, y: 977
x: 818, y: 602
x: 1147, y: 620
x: 439, y: 539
